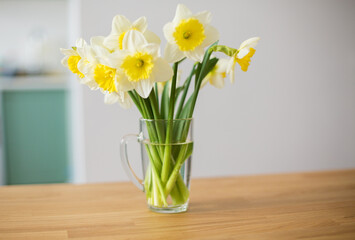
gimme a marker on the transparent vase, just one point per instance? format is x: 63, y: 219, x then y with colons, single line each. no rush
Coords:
x: 166, y: 151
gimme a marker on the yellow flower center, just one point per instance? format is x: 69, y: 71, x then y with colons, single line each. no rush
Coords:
x: 245, y: 61
x: 105, y: 77
x: 120, y: 38
x: 189, y: 34
x: 138, y: 66
x: 73, y: 65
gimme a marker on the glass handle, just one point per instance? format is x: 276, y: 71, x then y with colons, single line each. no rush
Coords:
x: 126, y: 165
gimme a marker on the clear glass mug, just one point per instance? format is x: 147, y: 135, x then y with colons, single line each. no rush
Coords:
x: 166, y: 150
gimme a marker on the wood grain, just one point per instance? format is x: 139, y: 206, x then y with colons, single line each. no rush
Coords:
x: 288, y: 206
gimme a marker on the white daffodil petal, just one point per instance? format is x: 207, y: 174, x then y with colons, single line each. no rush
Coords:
x: 126, y: 104
x: 205, y: 81
x: 83, y: 67
x: 65, y: 61
x: 230, y: 65
x: 80, y: 43
x: 151, y: 37
x: 111, y: 42
x: 230, y: 69
x: 122, y: 82
x: 91, y: 54
x: 222, y: 65
x: 140, y: 24
x: 204, y: 17
x: 212, y: 35
x: 97, y: 40
x: 249, y: 43
x: 89, y: 70
x: 143, y: 87
x: 172, y: 53
x: 100, y: 52
x: 242, y: 52
x: 162, y: 71
x: 120, y: 24
x: 68, y: 52
x: 133, y: 40
x: 115, y: 59
x: 89, y: 79
x: 111, y: 98
x: 91, y: 84
x: 217, y: 81
x: 196, y: 54
x: 152, y: 48
x: 181, y: 12
x: 103, y: 55
x: 124, y: 99
x: 169, y: 31
x: 232, y: 76
x: 82, y: 51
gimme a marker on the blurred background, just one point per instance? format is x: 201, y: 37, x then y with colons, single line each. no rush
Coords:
x: 294, y: 110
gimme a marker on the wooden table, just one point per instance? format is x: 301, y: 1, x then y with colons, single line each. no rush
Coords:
x: 288, y: 206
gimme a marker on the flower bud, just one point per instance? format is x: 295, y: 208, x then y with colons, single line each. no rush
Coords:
x: 224, y: 49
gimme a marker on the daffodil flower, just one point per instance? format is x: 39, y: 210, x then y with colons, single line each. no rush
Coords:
x: 242, y: 56
x: 72, y: 58
x: 188, y: 35
x: 121, y: 25
x: 140, y: 64
x: 89, y: 61
x: 217, y: 75
x: 99, y: 74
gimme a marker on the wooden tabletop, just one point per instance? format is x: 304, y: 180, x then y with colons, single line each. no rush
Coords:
x: 287, y: 206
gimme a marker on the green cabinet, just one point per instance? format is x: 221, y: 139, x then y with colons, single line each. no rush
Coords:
x: 35, y: 136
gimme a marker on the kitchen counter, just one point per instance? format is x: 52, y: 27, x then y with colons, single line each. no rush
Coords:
x: 318, y: 205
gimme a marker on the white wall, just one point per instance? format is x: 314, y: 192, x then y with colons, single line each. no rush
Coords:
x: 293, y: 111
x: 21, y: 21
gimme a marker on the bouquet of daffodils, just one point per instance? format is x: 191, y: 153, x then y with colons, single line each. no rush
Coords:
x: 128, y: 67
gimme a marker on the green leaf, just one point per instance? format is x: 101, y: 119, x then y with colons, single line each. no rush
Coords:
x: 164, y: 108
x: 186, y: 89
x: 156, y: 93
x: 209, y: 66
x: 186, y: 109
x: 178, y: 91
x: 202, y: 70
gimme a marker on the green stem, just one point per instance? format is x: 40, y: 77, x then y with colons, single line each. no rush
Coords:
x: 179, y: 193
x: 154, y: 103
x: 156, y: 93
x: 198, y: 83
x: 148, y: 107
x: 135, y: 101
x: 185, y: 152
x: 186, y: 89
x: 151, y: 130
x: 142, y: 105
x: 158, y: 180
x: 155, y: 108
x: 167, y: 152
